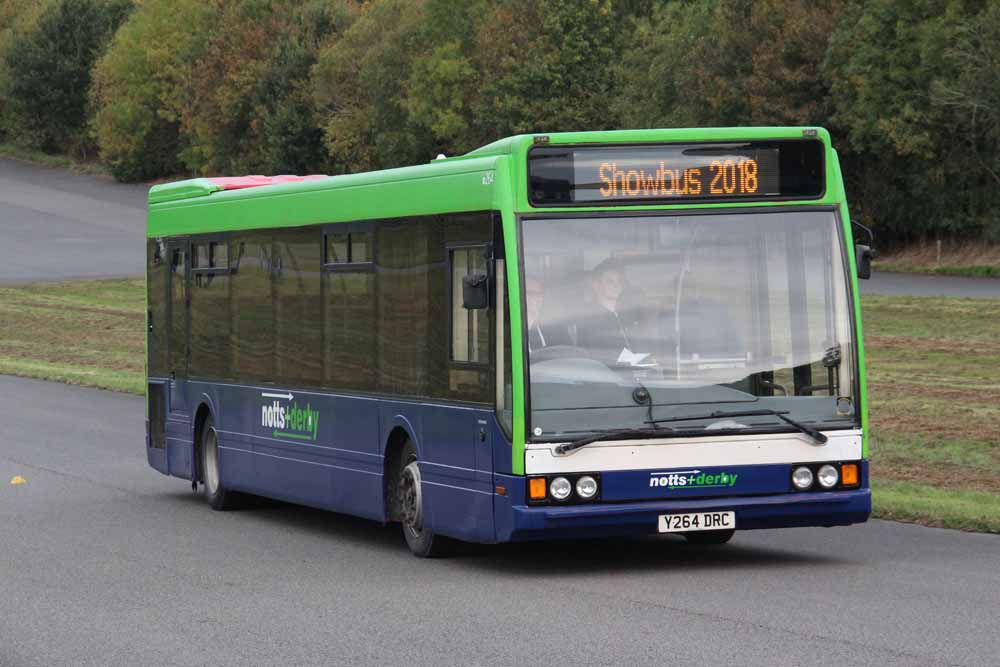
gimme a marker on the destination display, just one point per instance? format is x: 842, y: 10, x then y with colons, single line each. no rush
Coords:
x: 595, y: 175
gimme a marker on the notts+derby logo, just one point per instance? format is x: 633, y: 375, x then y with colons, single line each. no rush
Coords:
x: 691, y: 479
x: 289, y: 420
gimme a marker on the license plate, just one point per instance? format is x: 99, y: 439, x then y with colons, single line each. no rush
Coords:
x: 683, y: 523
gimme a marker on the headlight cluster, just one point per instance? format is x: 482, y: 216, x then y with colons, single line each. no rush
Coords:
x: 825, y: 476
x: 580, y: 488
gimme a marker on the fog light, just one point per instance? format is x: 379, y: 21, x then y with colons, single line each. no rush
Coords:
x: 802, y: 478
x: 586, y: 487
x: 828, y: 476
x: 560, y: 488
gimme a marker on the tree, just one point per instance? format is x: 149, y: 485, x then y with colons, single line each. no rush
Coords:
x: 359, y: 84
x: 513, y: 67
x: 142, y: 87
x: 911, y: 158
x: 49, y: 70
x: 214, y: 87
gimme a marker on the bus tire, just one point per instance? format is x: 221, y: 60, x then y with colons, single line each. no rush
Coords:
x: 709, y: 537
x: 421, y: 541
x: 218, y: 497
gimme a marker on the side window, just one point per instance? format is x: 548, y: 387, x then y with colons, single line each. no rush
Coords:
x: 210, y: 306
x: 296, y: 281
x: 504, y: 374
x: 349, y: 306
x: 348, y: 246
x: 470, y: 333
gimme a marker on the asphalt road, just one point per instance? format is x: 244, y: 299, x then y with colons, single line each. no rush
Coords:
x: 103, y: 561
x: 55, y: 225
x: 910, y: 284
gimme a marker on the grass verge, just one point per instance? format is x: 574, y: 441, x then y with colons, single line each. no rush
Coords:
x: 41, y: 158
x: 933, y: 506
x: 973, y: 260
x: 934, y: 398
x: 974, y: 271
x: 88, y: 333
x: 934, y: 385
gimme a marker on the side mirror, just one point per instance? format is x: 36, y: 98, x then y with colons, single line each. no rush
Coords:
x: 475, y: 291
x: 863, y: 256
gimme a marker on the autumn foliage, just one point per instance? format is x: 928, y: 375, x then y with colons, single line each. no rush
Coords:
x: 908, y: 89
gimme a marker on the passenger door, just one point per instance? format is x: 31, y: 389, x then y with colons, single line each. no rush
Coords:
x: 179, y: 325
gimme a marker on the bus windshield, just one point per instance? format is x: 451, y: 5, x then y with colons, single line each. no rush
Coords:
x: 633, y: 319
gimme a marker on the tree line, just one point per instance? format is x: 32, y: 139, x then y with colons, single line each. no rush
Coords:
x: 910, y: 89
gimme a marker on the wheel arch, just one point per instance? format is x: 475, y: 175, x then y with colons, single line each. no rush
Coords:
x: 400, y: 432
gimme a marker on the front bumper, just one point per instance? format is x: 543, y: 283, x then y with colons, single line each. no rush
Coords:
x: 785, y: 510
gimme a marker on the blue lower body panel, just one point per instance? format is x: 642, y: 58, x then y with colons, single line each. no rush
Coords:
x: 784, y: 510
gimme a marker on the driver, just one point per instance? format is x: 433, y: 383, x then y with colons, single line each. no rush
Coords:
x: 539, y: 336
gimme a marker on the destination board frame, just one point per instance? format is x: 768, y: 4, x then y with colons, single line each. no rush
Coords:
x: 533, y: 192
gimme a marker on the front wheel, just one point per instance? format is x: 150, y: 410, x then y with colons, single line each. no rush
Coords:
x: 710, y: 536
x: 421, y: 541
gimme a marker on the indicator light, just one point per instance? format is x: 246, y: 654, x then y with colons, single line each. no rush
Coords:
x: 849, y: 474
x: 536, y: 488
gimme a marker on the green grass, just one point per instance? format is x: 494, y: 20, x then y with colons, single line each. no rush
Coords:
x: 933, y: 506
x: 933, y: 371
x: 973, y: 271
x: 88, y: 333
x: 934, y: 399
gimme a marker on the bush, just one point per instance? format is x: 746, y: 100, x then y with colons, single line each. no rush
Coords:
x: 17, y: 17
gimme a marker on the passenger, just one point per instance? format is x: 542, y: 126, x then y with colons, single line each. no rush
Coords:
x: 539, y: 336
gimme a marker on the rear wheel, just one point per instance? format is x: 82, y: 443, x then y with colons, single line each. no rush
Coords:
x: 710, y: 536
x: 218, y: 498
x: 410, y: 510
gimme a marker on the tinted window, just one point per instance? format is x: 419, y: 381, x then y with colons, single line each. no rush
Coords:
x: 338, y: 248
x: 210, y: 323
x: 411, y: 287
x: 252, y: 308
x: 298, y: 307
x: 349, y: 330
x: 349, y: 243
x: 200, y: 258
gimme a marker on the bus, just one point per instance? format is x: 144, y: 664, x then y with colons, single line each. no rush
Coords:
x: 567, y: 335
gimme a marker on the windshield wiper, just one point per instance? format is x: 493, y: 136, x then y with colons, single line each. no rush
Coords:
x: 609, y: 435
x: 780, y: 414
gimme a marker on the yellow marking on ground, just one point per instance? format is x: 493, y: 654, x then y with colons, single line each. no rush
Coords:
x: 17, y: 479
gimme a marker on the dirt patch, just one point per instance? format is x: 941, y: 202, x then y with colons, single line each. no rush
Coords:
x: 941, y: 475
x: 945, y: 345
x: 925, y: 255
x: 989, y: 398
